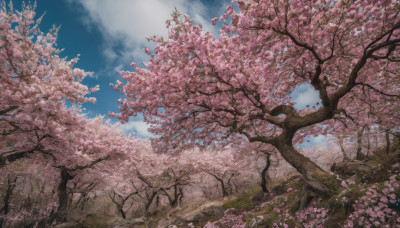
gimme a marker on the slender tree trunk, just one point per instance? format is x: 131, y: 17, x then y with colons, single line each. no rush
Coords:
x: 396, y: 142
x: 345, y: 157
x: 387, y: 137
x: 368, y: 141
x: 119, y: 201
x: 149, y: 201
x: 60, y: 214
x: 229, y: 185
x: 221, y: 181
x: 178, y: 194
x: 121, y: 210
x: 264, y: 173
x: 359, y: 143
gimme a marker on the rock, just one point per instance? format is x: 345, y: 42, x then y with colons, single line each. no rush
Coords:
x: 210, y: 211
x: 260, y: 197
x: 207, y: 214
x: 122, y: 223
x: 350, y: 168
x: 396, y: 166
x: 179, y: 220
x: 263, y: 221
x: 68, y: 225
x: 279, y: 190
x: 230, y: 211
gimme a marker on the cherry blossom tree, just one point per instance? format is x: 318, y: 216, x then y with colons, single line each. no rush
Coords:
x: 35, y: 122
x: 224, y: 165
x: 84, y: 160
x: 122, y: 197
x: 32, y: 197
x: 98, y: 145
x: 147, y: 179
x: 35, y: 85
x: 198, y: 88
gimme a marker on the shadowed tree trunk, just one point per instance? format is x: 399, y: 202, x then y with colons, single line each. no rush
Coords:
x: 65, y: 176
x: 264, y: 173
x: 359, y: 143
x: 61, y: 214
x: 387, y: 137
x: 226, y: 188
x: 176, y: 196
x: 11, y: 181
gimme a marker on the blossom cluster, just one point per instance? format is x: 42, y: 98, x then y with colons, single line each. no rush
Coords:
x: 229, y: 220
x: 372, y: 209
x: 313, y: 216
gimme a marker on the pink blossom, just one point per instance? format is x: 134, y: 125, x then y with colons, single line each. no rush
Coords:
x: 214, y: 21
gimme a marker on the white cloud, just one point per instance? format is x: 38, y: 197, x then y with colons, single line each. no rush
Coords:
x: 139, y: 127
x: 311, y: 141
x: 125, y: 24
x: 320, y: 139
x: 305, y: 94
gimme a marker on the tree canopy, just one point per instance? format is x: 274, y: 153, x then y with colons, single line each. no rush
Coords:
x: 198, y: 88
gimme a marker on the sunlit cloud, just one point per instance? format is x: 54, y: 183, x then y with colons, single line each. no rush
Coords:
x: 125, y: 24
x: 137, y: 127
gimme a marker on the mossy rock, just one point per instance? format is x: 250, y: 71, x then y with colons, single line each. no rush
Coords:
x: 264, y: 210
x: 265, y: 220
x: 330, y: 181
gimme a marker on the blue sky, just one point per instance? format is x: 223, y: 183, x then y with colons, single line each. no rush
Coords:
x: 110, y: 34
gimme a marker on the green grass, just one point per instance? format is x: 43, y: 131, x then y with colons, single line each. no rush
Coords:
x: 243, y: 201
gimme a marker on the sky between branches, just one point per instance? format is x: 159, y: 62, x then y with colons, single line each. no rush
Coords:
x: 110, y: 34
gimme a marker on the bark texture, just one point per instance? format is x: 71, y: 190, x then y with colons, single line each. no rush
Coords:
x: 61, y: 214
x: 264, y: 175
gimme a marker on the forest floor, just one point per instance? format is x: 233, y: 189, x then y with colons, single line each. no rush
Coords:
x: 369, y: 197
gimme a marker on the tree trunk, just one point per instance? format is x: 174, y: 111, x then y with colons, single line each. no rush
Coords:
x: 11, y: 181
x: 221, y: 181
x: 359, y: 143
x: 178, y: 194
x: 314, y: 177
x: 305, y: 197
x: 149, y: 201
x: 387, y: 137
x: 345, y: 157
x: 368, y: 141
x: 61, y: 213
x: 264, y: 173
x: 121, y: 210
